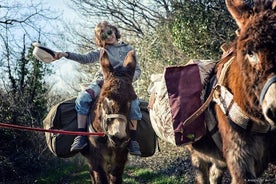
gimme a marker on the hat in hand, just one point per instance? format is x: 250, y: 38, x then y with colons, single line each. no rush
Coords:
x: 42, y: 53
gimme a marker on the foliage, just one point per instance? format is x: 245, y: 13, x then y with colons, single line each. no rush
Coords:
x: 66, y: 173
x: 26, y: 89
x: 200, y: 28
x: 194, y: 30
x: 155, y: 51
x: 132, y: 175
x: 23, y: 90
x: 135, y: 16
x: 23, y: 102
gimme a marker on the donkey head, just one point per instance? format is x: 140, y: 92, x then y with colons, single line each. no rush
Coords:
x: 256, y: 53
x: 115, y: 98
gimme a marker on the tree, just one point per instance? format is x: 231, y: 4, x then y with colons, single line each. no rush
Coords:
x: 135, y: 16
x: 22, y: 90
x: 24, y: 103
x: 22, y: 17
x: 163, y: 32
x: 199, y: 28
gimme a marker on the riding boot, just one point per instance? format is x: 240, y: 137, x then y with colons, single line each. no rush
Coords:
x: 133, y: 147
x: 80, y: 141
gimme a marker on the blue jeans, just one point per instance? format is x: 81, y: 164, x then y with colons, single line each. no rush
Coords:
x: 84, y: 102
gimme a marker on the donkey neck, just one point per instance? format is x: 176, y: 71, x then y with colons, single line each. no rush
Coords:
x: 228, y: 104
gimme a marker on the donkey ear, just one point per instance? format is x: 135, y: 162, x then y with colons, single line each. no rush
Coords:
x: 274, y: 5
x: 105, y: 63
x: 240, y: 10
x: 130, y: 60
x: 130, y: 63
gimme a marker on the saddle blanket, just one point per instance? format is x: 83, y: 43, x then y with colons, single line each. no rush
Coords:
x: 175, y: 95
x: 63, y: 116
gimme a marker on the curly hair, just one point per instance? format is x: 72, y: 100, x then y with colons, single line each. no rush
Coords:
x: 99, y: 31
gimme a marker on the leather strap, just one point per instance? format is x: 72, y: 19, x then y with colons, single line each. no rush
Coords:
x: 200, y: 110
x: 113, y: 116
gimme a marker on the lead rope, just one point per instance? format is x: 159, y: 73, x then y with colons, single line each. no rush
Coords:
x: 55, y: 131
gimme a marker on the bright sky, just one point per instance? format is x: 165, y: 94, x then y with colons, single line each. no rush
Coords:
x: 65, y: 69
x: 66, y: 73
x: 61, y: 6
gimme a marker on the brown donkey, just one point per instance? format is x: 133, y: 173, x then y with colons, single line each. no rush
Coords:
x: 107, y: 155
x: 244, y: 101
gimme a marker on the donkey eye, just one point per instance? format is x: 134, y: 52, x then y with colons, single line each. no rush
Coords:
x: 252, y: 57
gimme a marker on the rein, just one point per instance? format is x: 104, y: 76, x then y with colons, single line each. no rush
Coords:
x: 5, y: 125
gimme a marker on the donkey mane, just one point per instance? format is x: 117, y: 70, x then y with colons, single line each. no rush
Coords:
x: 118, y: 88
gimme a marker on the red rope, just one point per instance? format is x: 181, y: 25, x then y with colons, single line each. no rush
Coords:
x: 5, y: 125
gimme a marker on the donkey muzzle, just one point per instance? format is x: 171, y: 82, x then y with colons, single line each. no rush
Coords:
x: 268, y: 101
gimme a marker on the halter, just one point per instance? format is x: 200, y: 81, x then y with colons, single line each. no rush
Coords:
x: 266, y: 86
x: 113, y: 116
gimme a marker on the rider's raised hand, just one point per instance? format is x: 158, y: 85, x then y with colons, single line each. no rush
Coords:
x: 59, y: 55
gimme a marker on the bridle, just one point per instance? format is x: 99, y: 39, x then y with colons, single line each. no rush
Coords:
x: 112, y: 116
x: 104, y: 121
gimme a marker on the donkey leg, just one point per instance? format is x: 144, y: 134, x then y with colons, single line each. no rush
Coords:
x: 240, y: 159
x: 235, y: 150
x: 97, y: 176
x: 201, y: 169
x: 116, y: 179
x: 243, y: 177
x: 216, y: 174
x: 116, y: 174
x: 244, y: 160
x: 244, y: 164
x: 96, y: 170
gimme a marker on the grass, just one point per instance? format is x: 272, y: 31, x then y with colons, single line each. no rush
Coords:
x: 137, y: 176
x: 70, y: 174
x: 137, y: 171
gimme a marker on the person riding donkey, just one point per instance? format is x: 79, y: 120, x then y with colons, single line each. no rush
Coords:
x: 107, y: 37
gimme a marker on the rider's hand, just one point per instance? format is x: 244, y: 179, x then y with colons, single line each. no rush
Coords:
x: 59, y: 55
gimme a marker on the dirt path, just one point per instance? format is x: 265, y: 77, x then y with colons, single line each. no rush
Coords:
x: 173, y: 160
